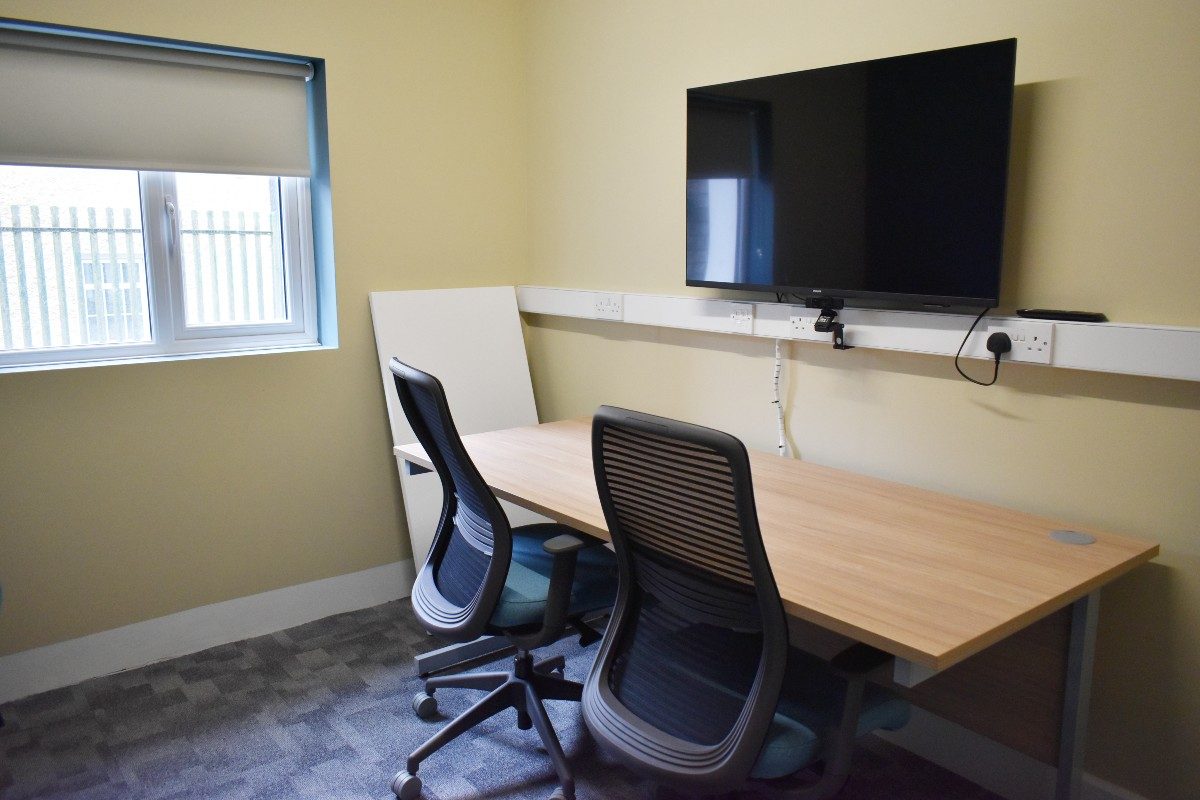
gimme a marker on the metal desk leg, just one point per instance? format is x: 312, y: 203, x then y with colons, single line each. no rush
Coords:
x: 1077, y: 695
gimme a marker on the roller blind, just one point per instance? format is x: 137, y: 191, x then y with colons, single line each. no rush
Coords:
x: 80, y: 102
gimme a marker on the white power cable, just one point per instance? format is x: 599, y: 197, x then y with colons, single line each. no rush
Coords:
x: 783, y: 445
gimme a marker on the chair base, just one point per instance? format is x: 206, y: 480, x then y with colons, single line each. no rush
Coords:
x: 523, y: 688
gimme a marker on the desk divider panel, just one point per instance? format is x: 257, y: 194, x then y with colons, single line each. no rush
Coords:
x: 1011, y: 692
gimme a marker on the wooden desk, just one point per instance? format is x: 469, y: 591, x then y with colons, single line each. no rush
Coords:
x: 926, y: 576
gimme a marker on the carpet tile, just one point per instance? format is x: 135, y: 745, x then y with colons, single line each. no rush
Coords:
x: 322, y: 711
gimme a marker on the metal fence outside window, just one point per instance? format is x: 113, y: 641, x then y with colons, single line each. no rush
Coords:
x: 76, y: 277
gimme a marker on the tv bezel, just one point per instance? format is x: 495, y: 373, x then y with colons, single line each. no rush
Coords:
x: 818, y: 293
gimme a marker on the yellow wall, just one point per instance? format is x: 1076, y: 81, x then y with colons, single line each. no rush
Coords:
x: 1103, y: 214
x: 131, y: 492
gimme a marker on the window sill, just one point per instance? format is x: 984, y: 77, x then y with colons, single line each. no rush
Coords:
x: 157, y: 357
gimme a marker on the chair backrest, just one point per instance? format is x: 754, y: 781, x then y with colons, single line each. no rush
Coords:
x: 688, y: 675
x: 458, y: 586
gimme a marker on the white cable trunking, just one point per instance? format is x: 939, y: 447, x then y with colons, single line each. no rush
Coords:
x: 1152, y: 350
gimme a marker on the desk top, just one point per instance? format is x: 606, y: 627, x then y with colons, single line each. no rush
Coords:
x: 926, y: 576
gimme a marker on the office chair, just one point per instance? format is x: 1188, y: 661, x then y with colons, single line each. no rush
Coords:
x: 483, y: 577
x: 695, y: 684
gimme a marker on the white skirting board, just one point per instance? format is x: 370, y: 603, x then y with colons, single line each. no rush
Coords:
x: 65, y: 663
x: 993, y: 766
x: 1151, y: 350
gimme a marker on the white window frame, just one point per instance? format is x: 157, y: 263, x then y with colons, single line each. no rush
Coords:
x: 170, y: 336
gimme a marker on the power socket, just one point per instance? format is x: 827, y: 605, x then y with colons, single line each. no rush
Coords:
x: 801, y: 325
x: 1032, y: 342
x: 742, y: 317
x: 608, y: 306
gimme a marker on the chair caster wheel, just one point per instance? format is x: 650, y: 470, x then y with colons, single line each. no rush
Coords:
x: 405, y: 786
x: 425, y: 705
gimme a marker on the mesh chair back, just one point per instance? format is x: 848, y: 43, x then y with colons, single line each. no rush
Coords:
x: 463, y: 575
x: 688, y: 675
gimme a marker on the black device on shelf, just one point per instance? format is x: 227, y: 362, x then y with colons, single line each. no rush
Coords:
x: 1064, y: 316
x: 882, y: 180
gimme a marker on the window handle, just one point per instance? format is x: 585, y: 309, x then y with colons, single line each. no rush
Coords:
x: 172, y: 226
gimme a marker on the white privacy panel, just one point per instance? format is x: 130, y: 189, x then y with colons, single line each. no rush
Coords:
x: 471, y: 340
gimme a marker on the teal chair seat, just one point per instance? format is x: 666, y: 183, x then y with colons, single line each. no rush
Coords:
x: 810, y: 700
x: 523, y: 599
x: 810, y: 706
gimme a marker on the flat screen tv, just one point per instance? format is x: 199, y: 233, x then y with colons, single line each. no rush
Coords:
x: 882, y: 180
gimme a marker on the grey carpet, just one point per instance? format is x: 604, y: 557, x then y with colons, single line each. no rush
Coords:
x: 323, y: 711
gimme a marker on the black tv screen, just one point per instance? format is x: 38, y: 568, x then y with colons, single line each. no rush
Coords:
x: 883, y: 179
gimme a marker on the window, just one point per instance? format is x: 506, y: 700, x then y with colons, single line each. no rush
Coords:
x: 116, y: 263
x: 178, y: 221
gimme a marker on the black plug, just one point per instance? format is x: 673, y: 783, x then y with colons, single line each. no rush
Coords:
x: 999, y: 343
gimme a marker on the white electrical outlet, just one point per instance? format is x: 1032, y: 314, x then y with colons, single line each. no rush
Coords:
x: 1032, y: 341
x: 742, y: 316
x: 609, y: 306
x: 802, y: 325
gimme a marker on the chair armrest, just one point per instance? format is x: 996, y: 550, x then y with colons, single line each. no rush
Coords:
x: 565, y: 549
x: 858, y: 660
x: 563, y: 544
